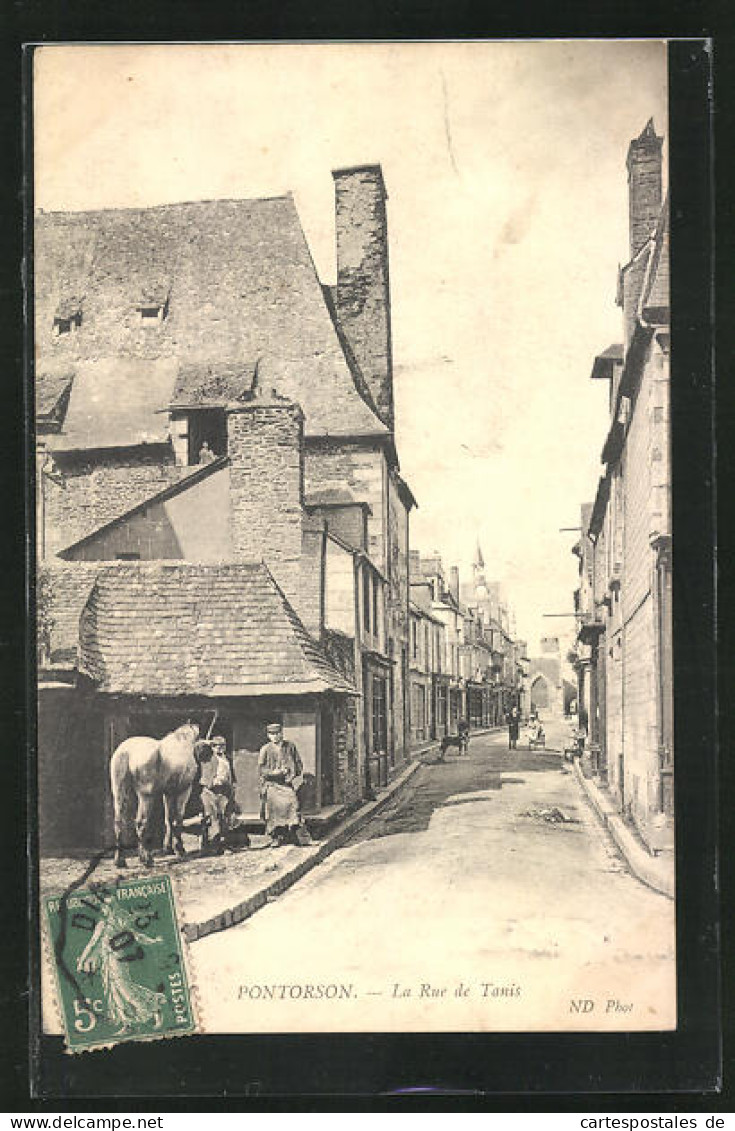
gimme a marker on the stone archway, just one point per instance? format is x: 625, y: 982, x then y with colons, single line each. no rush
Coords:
x: 540, y: 694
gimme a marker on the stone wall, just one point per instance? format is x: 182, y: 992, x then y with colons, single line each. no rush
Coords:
x: 359, y: 468
x: 87, y: 491
x: 362, y: 294
x: 265, y: 445
x: 639, y: 641
x: 644, y: 184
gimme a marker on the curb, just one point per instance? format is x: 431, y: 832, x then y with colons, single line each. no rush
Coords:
x: 651, y: 870
x: 247, y: 907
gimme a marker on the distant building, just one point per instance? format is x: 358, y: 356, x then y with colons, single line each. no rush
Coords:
x: 545, y: 682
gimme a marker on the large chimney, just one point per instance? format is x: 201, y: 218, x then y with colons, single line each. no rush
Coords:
x: 644, y: 186
x: 362, y: 294
x: 265, y: 449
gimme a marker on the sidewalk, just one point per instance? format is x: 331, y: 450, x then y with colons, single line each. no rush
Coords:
x: 215, y: 892
x: 656, y: 871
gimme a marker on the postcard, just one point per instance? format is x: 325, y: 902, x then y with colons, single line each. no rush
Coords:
x: 354, y: 540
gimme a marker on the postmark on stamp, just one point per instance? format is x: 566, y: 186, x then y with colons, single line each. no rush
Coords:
x: 119, y: 963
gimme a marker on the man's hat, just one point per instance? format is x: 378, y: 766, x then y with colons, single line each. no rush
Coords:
x: 272, y: 728
x: 218, y: 740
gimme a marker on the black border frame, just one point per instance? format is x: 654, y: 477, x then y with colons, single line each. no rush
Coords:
x: 530, y: 1067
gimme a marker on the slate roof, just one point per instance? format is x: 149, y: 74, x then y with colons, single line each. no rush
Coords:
x: 241, y: 284
x: 206, y: 383
x: 182, y: 629
x: 114, y: 402
x: 50, y: 390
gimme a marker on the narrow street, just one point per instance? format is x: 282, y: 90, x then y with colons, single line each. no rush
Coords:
x: 484, y: 896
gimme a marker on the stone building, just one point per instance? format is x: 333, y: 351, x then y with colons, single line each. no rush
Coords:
x: 625, y: 550
x: 206, y: 405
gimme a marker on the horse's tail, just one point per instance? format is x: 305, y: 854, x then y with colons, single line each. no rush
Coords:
x: 121, y: 784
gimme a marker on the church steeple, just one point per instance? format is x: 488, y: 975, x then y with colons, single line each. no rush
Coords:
x: 478, y: 573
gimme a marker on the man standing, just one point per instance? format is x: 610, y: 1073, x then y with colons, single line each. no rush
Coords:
x: 279, y: 765
x: 217, y: 793
x: 514, y: 722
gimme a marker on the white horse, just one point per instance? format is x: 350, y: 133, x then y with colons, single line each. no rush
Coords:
x: 153, y: 768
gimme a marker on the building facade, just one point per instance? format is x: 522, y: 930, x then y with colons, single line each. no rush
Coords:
x: 624, y: 601
x: 205, y: 406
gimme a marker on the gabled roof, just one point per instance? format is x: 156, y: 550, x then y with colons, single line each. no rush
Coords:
x: 182, y: 629
x: 240, y: 283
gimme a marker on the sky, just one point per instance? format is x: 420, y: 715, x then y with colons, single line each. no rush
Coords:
x: 505, y: 169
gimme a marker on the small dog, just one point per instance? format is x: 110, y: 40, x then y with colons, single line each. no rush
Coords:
x: 461, y: 741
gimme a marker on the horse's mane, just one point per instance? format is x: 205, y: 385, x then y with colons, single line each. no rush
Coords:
x: 185, y: 730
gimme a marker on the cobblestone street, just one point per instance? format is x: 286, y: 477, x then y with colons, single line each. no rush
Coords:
x: 488, y: 885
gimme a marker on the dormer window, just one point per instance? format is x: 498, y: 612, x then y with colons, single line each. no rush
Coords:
x: 65, y: 325
x: 152, y: 313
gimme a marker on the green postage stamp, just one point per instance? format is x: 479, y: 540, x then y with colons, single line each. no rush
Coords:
x: 119, y: 962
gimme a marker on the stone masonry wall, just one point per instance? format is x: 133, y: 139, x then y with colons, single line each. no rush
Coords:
x: 86, y: 493
x: 360, y: 468
x: 644, y: 183
x: 637, y: 599
x: 265, y: 444
x: 362, y: 293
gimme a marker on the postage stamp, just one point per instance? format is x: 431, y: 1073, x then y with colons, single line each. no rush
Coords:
x: 119, y: 963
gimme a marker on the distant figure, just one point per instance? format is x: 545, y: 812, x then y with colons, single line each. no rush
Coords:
x: 206, y: 455
x: 514, y: 722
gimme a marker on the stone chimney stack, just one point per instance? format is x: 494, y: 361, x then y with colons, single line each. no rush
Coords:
x: 362, y: 294
x: 644, y: 186
x: 265, y: 444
